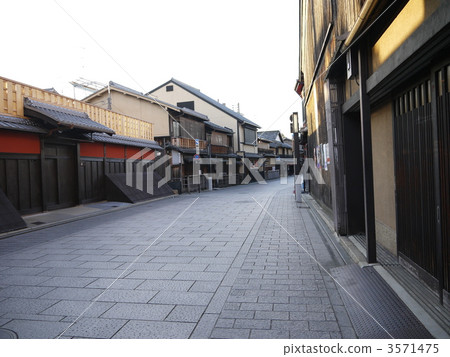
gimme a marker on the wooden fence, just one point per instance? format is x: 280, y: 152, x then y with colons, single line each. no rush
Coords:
x: 12, y: 95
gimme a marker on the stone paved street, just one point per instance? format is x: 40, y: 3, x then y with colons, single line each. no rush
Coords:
x: 211, y: 265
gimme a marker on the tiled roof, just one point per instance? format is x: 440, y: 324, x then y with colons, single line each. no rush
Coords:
x: 59, y: 116
x: 268, y: 135
x: 125, y: 140
x: 194, y: 113
x: 21, y: 124
x: 279, y: 144
x: 209, y: 100
x: 216, y: 127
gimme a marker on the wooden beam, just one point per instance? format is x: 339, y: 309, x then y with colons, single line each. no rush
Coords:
x: 366, y: 139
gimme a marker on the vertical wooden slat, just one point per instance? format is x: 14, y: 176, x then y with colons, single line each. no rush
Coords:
x: 2, y: 96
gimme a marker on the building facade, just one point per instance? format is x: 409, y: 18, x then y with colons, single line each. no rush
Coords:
x: 376, y: 93
x: 56, y: 152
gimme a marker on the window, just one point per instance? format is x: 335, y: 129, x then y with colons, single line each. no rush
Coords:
x: 169, y: 88
x: 249, y: 136
x: 192, y: 129
x: 175, y: 129
x: 188, y: 105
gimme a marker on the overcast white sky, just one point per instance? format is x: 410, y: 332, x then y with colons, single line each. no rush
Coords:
x: 242, y: 51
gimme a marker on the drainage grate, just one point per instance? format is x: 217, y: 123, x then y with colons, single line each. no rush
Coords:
x: 7, y: 334
x: 377, y: 297
x: 38, y: 223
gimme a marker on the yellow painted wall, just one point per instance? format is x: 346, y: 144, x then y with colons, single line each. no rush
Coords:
x: 263, y: 145
x: 408, y: 20
x: 215, y: 115
x: 384, y: 180
x: 137, y: 108
x: 144, y: 110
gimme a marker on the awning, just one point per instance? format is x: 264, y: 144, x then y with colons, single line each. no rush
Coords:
x: 126, y: 140
x: 186, y: 151
x: 227, y: 156
x: 194, y: 113
x: 60, y: 117
x: 252, y: 156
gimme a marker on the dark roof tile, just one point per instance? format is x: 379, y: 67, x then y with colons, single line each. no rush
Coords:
x: 21, y: 124
x: 57, y: 116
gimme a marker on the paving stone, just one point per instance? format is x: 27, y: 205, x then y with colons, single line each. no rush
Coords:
x: 73, y: 294
x: 256, y: 306
x: 237, y: 314
x: 329, y: 326
x: 172, y: 260
x: 67, y: 282
x: 76, y: 272
x: 60, y: 264
x: 132, y: 311
x: 299, y: 334
x: 310, y: 316
x: 4, y: 321
x: 205, y: 276
x: 27, y: 329
x: 290, y: 325
x: 22, y: 280
x: 186, y: 313
x: 166, y: 285
x: 273, y: 299
x: 21, y: 305
x: 252, y: 324
x: 29, y: 292
x: 205, y: 286
x: 122, y: 295
x: 242, y: 299
x: 93, y: 258
x: 32, y: 317
x: 247, y: 274
x: 272, y: 315
x: 205, y: 326
x: 225, y: 323
x: 156, y: 329
x: 103, y: 283
x: 218, y: 300
x: 106, y: 273
x: 185, y: 267
x: 223, y: 333
x: 95, y: 328
x: 269, y: 334
x: 182, y: 298
x: 152, y: 275
x: 77, y: 307
x: 100, y: 265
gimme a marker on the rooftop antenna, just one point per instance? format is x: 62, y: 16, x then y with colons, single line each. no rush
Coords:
x: 86, y: 85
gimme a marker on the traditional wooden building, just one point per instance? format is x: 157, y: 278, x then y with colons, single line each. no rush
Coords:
x: 181, y: 131
x: 244, y: 142
x: 375, y: 78
x: 56, y: 152
x: 272, y: 146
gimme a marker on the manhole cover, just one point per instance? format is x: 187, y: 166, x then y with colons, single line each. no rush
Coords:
x: 7, y: 334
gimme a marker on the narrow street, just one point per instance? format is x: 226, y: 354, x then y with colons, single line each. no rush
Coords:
x: 240, y: 262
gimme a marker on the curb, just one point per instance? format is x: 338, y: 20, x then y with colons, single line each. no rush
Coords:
x: 356, y: 252
x: 81, y: 217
